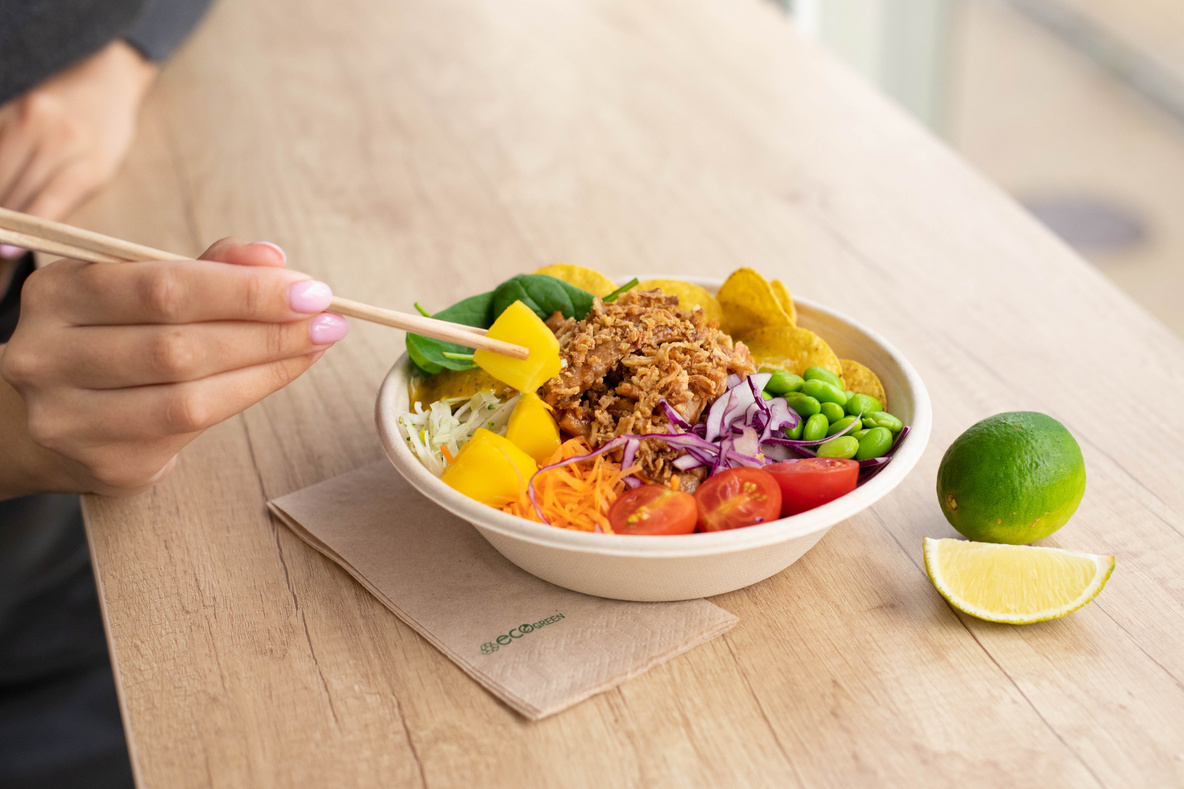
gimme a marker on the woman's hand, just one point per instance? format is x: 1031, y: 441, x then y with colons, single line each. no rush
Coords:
x: 120, y: 365
x: 64, y: 138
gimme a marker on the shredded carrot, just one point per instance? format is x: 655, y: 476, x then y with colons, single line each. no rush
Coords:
x: 576, y: 496
x: 447, y: 455
x: 674, y: 482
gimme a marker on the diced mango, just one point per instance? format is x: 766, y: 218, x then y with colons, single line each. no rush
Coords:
x: 490, y: 469
x: 532, y: 428
x: 519, y: 325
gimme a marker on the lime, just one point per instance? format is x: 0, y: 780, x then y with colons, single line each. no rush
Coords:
x: 1013, y: 478
x: 1016, y: 584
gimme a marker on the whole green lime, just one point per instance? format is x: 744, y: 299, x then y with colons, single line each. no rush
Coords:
x: 1013, y: 478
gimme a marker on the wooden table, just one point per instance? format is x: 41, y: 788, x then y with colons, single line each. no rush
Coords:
x: 426, y: 149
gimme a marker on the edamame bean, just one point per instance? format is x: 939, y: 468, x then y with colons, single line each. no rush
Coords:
x: 842, y: 424
x: 883, y: 419
x: 841, y: 447
x: 823, y: 391
x: 877, y: 441
x: 784, y: 383
x: 862, y: 404
x: 805, y: 405
x: 859, y: 434
x: 849, y: 393
x: 766, y: 396
x: 833, y: 412
x: 795, y: 432
x: 823, y: 374
x: 815, y: 428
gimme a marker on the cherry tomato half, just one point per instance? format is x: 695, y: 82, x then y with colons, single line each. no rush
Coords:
x: 653, y: 509
x: 737, y: 497
x: 811, y: 482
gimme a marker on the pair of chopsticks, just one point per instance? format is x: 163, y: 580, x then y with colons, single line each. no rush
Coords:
x: 56, y: 238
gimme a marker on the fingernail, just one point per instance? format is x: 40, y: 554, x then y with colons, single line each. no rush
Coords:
x: 326, y: 328
x: 283, y: 256
x: 310, y: 296
x: 9, y: 251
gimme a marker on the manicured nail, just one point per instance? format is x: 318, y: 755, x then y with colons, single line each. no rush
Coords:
x: 280, y: 252
x: 9, y: 251
x: 326, y: 328
x: 310, y: 296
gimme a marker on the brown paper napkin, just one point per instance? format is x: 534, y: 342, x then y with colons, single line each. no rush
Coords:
x: 534, y: 645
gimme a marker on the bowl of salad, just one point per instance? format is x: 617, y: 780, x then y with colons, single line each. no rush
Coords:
x: 665, y: 439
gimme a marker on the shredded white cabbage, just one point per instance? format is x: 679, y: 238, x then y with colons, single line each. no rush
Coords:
x: 439, y: 426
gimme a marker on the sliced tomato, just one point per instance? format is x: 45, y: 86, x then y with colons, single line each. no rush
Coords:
x: 811, y: 482
x: 653, y: 509
x: 736, y: 498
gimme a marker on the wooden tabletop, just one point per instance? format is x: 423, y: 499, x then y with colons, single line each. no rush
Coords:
x: 425, y: 150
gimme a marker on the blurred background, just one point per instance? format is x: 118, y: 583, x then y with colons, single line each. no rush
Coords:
x: 1074, y: 107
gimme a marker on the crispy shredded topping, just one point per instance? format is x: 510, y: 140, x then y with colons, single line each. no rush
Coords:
x: 627, y: 356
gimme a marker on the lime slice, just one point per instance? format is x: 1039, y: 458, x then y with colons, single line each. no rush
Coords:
x: 1016, y: 584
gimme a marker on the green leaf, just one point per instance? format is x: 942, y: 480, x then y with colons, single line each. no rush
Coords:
x: 428, y: 354
x: 544, y: 295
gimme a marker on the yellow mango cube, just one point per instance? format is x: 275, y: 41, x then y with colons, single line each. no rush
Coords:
x: 490, y: 469
x: 519, y: 325
x: 532, y: 428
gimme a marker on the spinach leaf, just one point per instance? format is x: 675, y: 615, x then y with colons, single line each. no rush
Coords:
x: 544, y: 295
x: 428, y: 353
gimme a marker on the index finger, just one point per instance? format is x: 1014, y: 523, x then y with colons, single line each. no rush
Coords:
x: 186, y: 291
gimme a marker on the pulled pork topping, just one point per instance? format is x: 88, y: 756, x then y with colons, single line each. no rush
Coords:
x: 627, y: 356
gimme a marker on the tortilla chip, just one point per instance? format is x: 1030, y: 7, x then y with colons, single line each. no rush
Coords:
x: 689, y: 296
x: 791, y: 349
x: 861, y: 380
x: 785, y: 300
x: 585, y: 278
x: 749, y: 304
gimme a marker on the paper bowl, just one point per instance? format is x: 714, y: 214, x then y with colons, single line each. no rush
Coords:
x: 685, y: 566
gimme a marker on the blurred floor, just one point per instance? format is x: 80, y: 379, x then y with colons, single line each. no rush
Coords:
x: 1097, y: 160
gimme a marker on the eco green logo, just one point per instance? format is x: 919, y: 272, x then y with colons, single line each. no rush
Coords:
x: 504, y: 640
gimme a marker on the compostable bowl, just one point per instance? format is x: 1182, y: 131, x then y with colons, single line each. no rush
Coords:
x: 684, y: 566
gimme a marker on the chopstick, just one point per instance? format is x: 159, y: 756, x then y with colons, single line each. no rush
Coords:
x: 57, y: 238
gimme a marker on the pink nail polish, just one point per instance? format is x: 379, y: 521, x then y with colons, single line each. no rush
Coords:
x: 283, y: 256
x: 327, y: 327
x: 310, y: 296
x: 9, y: 251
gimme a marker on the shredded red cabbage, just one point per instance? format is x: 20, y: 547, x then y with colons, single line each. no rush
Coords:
x: 741, y: 429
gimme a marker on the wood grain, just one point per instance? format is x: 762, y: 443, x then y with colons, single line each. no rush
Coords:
x: 427, y: 149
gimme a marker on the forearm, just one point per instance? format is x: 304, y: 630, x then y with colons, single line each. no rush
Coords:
x: 25, y: 467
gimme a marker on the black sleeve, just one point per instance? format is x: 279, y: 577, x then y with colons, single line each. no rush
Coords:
x: 164, y: 24
x: 39, y: 38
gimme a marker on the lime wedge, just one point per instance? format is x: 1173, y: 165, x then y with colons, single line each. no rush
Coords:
x: 1016, y: 584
